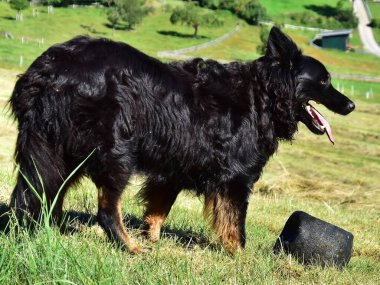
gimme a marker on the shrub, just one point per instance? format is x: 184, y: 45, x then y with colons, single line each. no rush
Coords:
x: 249, y: 10
x: 375, y: 23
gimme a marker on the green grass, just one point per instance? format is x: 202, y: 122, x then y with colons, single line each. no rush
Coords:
x: 375, y: 12
x: 86, y: 257
x: 375, y: 9
x: 276, y: 8
x: 279, y: 11
x: 151, y: 36
x: 359, y: 91
x: 338, y: 183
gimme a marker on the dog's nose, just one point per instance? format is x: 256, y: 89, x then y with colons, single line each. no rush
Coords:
x: 350, y: 107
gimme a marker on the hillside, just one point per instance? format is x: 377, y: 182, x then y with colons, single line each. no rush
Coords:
x: 337, y: 183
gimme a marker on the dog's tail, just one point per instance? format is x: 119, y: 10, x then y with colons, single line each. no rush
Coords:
x: 37, y: 156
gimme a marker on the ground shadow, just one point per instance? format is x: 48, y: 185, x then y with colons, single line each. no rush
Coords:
x: 90, y: 29
x: 4, y: 217
x: 186, y: 238
x: 180, y: 35
x: 323, y: 10
x: 9, y: 18
x: 117, y: 27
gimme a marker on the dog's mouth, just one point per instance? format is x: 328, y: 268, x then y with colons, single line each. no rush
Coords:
x: 318, y: 124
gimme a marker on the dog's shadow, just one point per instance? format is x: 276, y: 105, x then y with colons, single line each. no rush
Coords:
x: 186, y: 238
x: 72, y: 219
x: 4, y: 217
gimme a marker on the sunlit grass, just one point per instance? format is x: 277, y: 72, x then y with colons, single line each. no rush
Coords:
x: 339, y: 184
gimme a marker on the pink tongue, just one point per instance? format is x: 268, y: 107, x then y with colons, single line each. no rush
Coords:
x: 322, y: 121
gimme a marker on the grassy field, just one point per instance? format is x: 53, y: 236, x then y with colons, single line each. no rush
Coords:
x: 277, y: 9
x: 375, y: 9
x: 280, y: 11
x: 338, y: 183
x: 154, y: 34
x: 375, y: 12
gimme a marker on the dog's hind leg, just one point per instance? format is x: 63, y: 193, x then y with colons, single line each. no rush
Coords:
x: 41, y: 174
x: 111, y: 220
x: 226, y: 207
x: 158, y: 198
x: 110, y: 177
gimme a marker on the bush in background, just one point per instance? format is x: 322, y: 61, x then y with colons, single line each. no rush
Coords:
x: 249, y: 10
x: 375, y: 23
x: 192, y: 15
x: 326, y: 16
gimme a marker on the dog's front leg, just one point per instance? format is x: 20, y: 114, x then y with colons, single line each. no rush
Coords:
x: 226, y: 206
x: 158, y: 197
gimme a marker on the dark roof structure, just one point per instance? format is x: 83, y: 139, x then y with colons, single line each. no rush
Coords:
x: 338, y: 39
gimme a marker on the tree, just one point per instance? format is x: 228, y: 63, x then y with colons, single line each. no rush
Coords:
x: 131, y: 12
x: 340, y: 4
x: 251, y: 11
x: 113, y: 16
x: 264, y: 33
x: 134, y: 12
x: 345, y: 16
x: 19, y: 5
x: 191, y: 15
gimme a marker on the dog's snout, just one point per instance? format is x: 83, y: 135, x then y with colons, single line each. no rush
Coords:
x: 350, y: 107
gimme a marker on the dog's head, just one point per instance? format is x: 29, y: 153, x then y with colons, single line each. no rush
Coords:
x: 312, y: 84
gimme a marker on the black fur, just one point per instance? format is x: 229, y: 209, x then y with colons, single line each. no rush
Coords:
x: 196, y: 125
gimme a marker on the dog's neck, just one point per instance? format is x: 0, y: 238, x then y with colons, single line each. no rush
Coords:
x: 278, y: 95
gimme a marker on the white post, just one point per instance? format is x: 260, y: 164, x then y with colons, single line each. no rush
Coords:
x: 21, y: 60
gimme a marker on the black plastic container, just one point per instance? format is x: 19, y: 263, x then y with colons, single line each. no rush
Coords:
x: 313, y: 241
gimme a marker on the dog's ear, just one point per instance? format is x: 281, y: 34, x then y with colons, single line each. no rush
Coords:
x: 281, y: 47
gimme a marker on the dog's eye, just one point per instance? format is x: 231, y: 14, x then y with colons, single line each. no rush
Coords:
x: 325, y: 81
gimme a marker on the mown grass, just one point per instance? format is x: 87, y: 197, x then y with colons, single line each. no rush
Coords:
x: 154, y: 34
x: 279, y: 11
x: 338, y: 183
x: 375, y: 12
x: 247, y: 40
x: 184, y: 255
x: 375, y: 9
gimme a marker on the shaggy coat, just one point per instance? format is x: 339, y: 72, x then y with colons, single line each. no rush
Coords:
x: 197, y: 125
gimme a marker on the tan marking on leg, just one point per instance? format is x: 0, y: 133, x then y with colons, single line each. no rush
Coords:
x: 129, y: 242
x: 106, y: 204
x: 102, y: 199
x: 158, y: 204
x: 224, y: 219
x: 153, y: 226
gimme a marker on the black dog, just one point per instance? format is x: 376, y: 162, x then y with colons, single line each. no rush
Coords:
x: 196, y: 125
